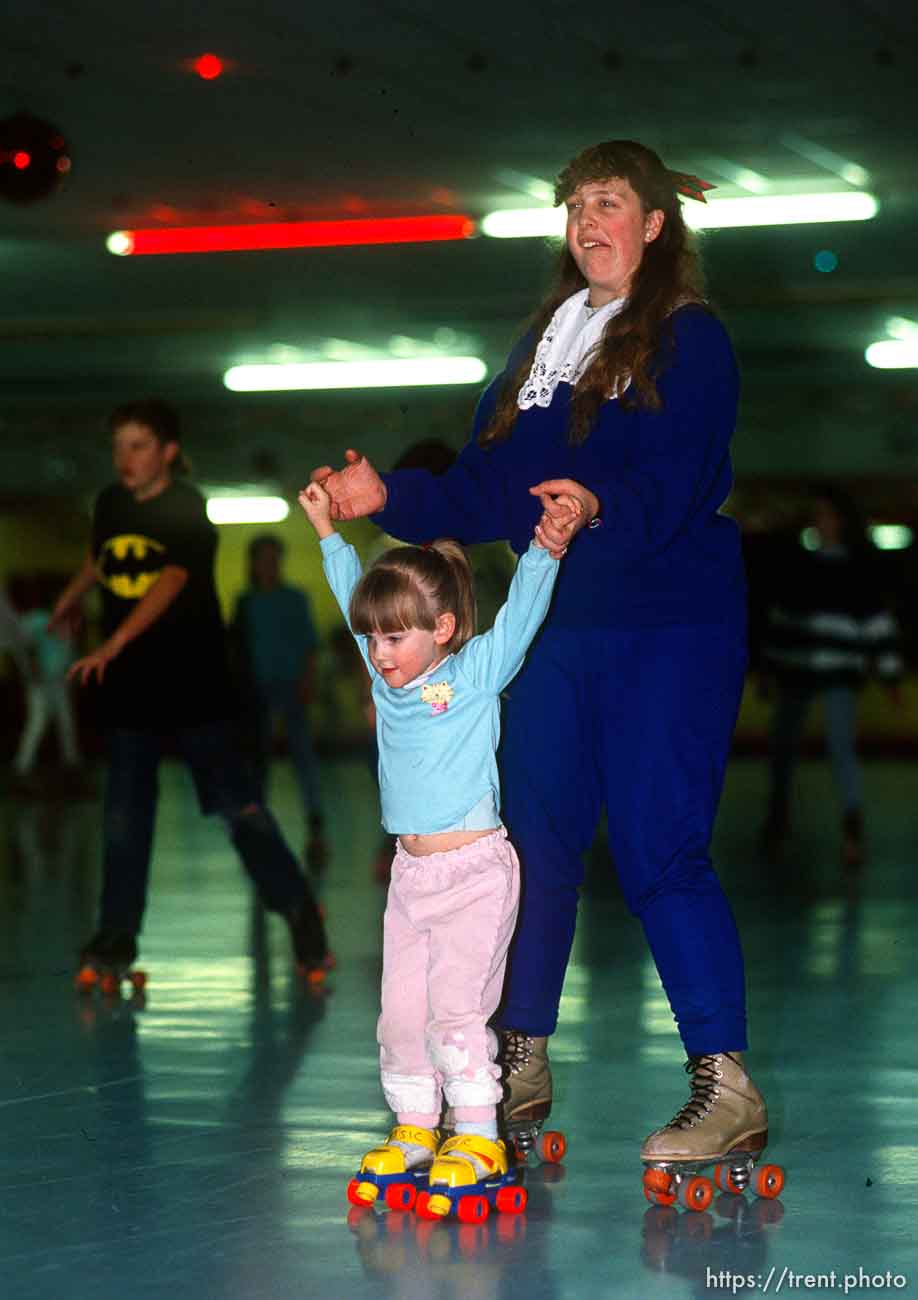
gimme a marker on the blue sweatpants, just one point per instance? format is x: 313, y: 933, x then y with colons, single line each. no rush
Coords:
x: 641, y: 721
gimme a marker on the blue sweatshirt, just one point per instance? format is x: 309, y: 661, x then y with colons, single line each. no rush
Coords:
x: 663, y: 553
x: 438, y: 736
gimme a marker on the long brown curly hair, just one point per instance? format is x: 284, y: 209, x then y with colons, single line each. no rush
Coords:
x: 669, y: 275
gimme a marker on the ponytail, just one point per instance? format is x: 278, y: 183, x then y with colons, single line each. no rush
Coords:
x: 465, y: 611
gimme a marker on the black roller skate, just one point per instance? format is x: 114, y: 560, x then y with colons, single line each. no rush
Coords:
x: 107, y: 961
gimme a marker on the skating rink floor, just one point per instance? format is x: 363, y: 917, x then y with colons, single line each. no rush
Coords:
x: 200, y: 1146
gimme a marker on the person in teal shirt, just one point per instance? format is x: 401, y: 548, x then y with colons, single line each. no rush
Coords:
x: 48, y: 693
x: 277, y: 635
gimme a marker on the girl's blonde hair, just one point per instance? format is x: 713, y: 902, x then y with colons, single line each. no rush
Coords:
x: 411, y: 586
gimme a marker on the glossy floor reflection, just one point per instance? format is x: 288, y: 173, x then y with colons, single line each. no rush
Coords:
x: 200, y: 1146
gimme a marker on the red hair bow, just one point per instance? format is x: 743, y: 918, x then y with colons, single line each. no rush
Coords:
x: 693, y: 187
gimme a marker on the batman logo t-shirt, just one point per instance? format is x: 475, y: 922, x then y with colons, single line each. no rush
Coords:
x: 174, y: 674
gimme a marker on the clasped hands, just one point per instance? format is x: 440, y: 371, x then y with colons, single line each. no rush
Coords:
x: 357, y: 490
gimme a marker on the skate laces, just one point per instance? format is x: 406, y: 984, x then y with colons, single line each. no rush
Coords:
x: 517, y: 1049
x: 705, y: 1085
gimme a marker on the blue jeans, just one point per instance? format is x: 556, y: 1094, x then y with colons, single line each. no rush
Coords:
x: 224, y: 786
x: 284, y: 699
x: 639, y: 720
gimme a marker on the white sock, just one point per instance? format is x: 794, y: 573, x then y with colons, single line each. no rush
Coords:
x: 486, y: 1128
x: 415, y: 1154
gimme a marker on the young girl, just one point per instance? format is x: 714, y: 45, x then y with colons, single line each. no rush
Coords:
x: 454, y: 891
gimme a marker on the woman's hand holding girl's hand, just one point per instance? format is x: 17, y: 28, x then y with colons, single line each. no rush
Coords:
x: 317, y: 507
x: 355, y: 491
x: 572, y: 508
x: 566, y: 507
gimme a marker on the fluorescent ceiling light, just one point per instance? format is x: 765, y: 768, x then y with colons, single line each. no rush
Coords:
x: 247, y: 510
x: 389, y: 373
x: 525, y: 223
x: 891, y: 537
x: 893, y: 354
x: 781, y: 210
x: 756, y: 210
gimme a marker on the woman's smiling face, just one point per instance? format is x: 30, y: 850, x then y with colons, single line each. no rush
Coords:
x: 607, y: 231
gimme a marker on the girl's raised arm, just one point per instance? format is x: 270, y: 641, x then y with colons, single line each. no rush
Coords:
x: 494, y: 658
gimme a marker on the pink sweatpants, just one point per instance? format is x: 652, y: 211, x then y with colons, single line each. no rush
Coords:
x: 448, y: 924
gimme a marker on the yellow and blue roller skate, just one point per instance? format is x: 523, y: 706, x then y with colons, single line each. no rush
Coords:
x: 396, y: 1171
x: 469, y: 1175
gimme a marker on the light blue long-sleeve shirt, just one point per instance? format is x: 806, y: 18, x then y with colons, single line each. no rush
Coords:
x: 438, y: 765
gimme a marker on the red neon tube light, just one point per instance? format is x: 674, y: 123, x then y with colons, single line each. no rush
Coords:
x: 293, y: 234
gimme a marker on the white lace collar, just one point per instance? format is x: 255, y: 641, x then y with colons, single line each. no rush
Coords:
x: 566, y: 348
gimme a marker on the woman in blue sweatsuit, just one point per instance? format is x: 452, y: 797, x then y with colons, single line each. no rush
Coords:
x: 624, y: 395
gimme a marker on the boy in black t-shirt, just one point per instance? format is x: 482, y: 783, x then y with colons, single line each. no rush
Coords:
x: 162, y: 673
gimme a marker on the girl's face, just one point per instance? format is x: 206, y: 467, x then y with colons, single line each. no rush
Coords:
x: 142, y: 462
x: 607, y: 231
x: 400, y: 657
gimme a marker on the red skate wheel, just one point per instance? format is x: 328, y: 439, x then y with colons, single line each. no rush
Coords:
x: 551, y: 1147
x: 352, y: 1194
x: 400, y: 1196
x: 109, y: 984
x: 472, y: 1209
x: 658, y: 1187
x: 768, y: 1181
x: 724, y: 1180
x: 511, y: 1200
x: 86, y: 979
x: 421, y: 1207
x: 696, y: 1193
